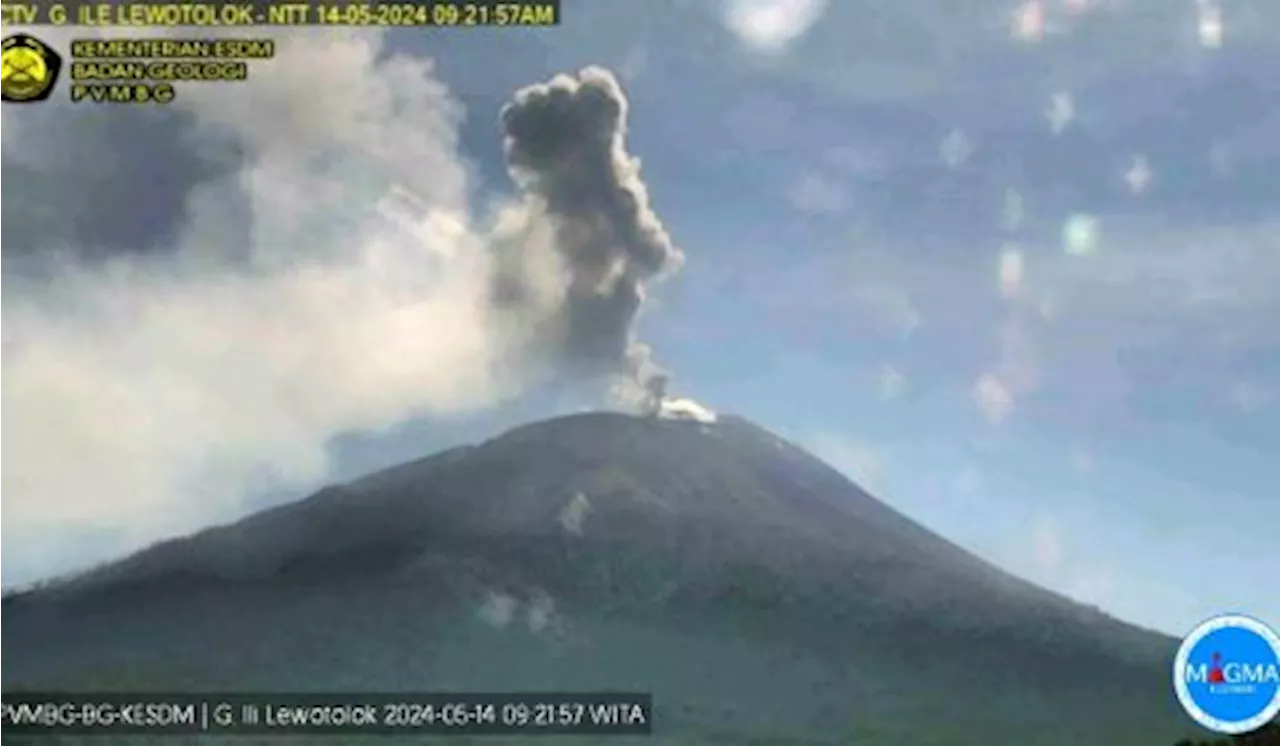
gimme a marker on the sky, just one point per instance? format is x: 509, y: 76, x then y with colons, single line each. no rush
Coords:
x: 1010, y: 266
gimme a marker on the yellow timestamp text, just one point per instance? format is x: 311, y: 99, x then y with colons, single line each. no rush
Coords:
x: 435, y: 14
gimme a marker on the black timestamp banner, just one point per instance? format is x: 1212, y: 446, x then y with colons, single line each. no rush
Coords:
x: 524, y: 713
x: 233, y: 13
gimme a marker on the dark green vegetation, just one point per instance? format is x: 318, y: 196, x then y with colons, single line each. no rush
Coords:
x: 761, y: 597
x: 1268, y: 736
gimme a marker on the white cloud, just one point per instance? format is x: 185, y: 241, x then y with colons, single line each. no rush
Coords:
x: 680, y: 408
x: 498, y: 609
x: 1028, y: 21
x: 541, y: 612
x: 1080, y: 235
x: 574, y: 514
x: 772, y: 25
x: 148, y: 397
x: 1210, y: 28
x: 993, y: 397
x: 1062, y: 110
x: 955, y: 149
x: 1139, y: 175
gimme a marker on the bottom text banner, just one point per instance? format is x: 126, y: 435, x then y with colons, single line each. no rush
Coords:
x: 603, y: 713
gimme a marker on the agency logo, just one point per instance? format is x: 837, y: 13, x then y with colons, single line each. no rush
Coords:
x: 28, y: 69
x: 1227, y: 674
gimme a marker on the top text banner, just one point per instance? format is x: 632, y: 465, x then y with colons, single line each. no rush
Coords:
x: 233, y: 13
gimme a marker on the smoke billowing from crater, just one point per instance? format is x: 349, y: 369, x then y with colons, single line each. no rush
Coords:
x: 312, y: 281
x: 565, y: 145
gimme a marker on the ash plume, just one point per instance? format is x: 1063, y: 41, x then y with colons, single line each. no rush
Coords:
x: 315, y: 268
x: 656, y: 390
x: 565, y: 147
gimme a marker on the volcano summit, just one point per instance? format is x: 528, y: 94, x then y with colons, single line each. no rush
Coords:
x: 756, y: 592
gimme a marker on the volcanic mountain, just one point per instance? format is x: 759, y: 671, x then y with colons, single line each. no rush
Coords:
x: 760, y: 596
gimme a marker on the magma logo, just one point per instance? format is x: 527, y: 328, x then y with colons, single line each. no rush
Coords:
x: 1227, y: 674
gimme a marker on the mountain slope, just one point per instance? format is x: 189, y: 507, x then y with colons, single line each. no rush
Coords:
x: 754, y: 590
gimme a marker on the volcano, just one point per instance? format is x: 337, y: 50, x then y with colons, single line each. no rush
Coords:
x: 761, y: 597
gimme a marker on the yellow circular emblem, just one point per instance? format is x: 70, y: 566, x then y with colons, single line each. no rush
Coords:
x: 24, y: 71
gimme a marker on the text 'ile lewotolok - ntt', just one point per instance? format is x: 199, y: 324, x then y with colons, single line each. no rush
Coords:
x: 240, y: 13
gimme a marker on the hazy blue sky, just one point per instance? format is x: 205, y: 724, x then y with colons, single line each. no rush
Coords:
x: 1101, y: 419
x: 1014, y: 268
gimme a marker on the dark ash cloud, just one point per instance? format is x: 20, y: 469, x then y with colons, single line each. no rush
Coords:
x: 565, y: 146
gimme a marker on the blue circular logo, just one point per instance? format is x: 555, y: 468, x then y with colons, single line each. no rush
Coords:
x: 1227, y: 674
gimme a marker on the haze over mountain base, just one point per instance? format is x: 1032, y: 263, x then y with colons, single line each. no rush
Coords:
x: 757, y: 593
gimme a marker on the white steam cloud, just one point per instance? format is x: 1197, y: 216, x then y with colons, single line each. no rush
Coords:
x: 329, y: 278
